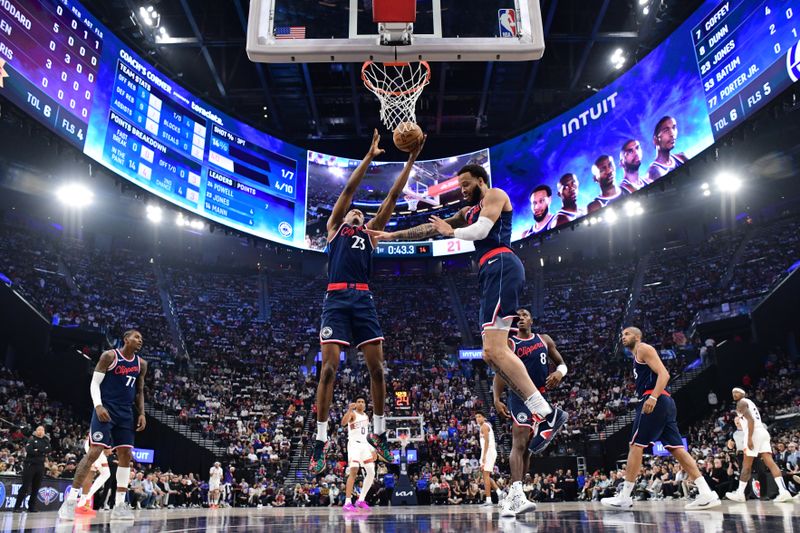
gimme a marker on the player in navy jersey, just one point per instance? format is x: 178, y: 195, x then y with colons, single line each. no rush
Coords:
x: 487, y: 222
x: 630, y: 159
x: 665, y: 136
x: 656, y: 419
x: 568, y: 186
x: 605, y: 174
x: 349, y: 317
x: 117, y: 383
x: 536, y: 351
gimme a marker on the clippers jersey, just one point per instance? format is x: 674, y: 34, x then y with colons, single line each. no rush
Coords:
x: 756, y: 416
x: 499, y: 235
x: 663, y: 169
x: 644, y: 376
x: 350, y: 255
x: 533, y: 354
x: 605, y: 200
x: 118, y: 388
x: 357, y: 429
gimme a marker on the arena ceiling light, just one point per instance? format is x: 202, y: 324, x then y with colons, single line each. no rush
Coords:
x: 633, y: 208
x: 154, y: 214
x: 75, y: 195
x: 727, y: 182
x: 149, y: 16
x: 618, y: 58
x: 611, y: 216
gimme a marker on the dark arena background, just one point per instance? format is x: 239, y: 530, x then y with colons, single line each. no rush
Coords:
x: 186, y: 169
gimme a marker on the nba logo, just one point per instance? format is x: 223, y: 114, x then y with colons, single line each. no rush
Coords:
x: 507, y: 19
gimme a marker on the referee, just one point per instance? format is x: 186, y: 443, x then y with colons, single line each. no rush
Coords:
x: 33, y: 470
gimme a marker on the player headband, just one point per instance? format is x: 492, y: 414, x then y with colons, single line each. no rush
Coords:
x: 739, y: 390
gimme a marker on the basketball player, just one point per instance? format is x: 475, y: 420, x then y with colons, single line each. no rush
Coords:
x: 118, y: 380
x: 359, y: 454
x: 568, y: 192
x: 757, y: 443
x: 605, y: 174
x: 540, y: 199
x: 214, y: 482
x: 488, y: 457
x: 656, y: 419
x: 664, y: 137
x: 100, y: 466
x: 348, y: 312
x: 630, y: 159
x: 535, y: 351
x: 487, y: 222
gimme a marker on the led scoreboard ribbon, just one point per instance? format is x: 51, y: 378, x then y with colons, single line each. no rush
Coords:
x: 740, y: 51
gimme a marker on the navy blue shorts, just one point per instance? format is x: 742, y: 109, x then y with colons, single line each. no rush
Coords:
x: 520, y: 413
x: 661, y: 424
x: 501, y: 279
x: 349, y: 317
x: 116, y: 433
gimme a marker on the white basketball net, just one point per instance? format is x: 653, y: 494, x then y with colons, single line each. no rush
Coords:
x: 413, y: 203
x: 398, y: 86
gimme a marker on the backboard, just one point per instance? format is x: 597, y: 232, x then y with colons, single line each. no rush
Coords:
x: 313, y: 31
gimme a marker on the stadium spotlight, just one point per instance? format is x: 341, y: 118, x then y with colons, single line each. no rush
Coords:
x: 154, y: 214
x: 618, y: 59
x: 727, y: 182
x: 632, y: 208
x: 180, y: 221
x: 646, y: 11
x: 704, y: 187
x: 338, y: 172
x: 197, y: 224
x: 644, y: 2
x: 611, y: 216
x: 706, y: 193
x: 75, y: 195
x: 541, y: 261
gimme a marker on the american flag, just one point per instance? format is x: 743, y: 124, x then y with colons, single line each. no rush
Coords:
x: 290, y: 32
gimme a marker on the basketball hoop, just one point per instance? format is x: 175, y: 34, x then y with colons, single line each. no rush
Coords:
x: 404, y: 441
x: 398, y: 86
x: 413, y: 203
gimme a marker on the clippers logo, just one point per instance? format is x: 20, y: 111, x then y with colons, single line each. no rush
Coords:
x: 47, y: 495
x: 507, y: 19
x: 97, y: 436
x: 285, y: 229
x: 125, y: 370
x: 522, y: 418
x: 326, y: 333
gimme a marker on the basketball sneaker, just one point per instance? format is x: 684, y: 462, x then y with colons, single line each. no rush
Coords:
x: 317, y: 464
x: 548, y: 429
x: 620, y: 502
x: 349, y: 508
x: 736, y: 496
x: 704, y: 501
x: 67, y: 510
x: 121, y: 512
x: 783, y: 497
x: 85, y: 510
x: 361, y: 504
x: 510, y: 506
x: 381, y: 446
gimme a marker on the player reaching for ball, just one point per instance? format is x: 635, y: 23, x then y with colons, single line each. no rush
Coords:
x: 348, y: 311
x: 487, y: 222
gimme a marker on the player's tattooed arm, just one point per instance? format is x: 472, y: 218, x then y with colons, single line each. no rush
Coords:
x: 509, y: 381
x: 423, y: 231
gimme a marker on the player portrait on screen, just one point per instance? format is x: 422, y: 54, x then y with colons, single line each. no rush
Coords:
x: 630, y: 159
x: 568, y: 192
x: 540, y: 198
x: 605, y: 175
x: 665, y: 135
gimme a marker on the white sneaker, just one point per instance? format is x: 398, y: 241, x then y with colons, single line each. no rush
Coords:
x: 783, y: 497
x: 122, y: 512
x: 620, y: 502
x: 706, y: 501
x: 735, y: 497
x: 510, y: 506
x: 486, y: 505
x: 525, y: 505
x: 67, y: 510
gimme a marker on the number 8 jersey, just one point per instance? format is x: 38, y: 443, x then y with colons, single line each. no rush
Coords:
x: 533, y: 354
x: 350, y: 255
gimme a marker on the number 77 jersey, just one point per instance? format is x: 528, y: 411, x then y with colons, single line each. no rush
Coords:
x: 117, y: 391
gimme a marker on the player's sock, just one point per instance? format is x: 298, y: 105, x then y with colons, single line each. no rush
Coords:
x: 368, y: 480
x: 379, y: 424
x: 83, y: 499
x: 742, y: 487
x: 489, y: 499
x: 781, y: 485
x: 537, y: 404
x: 123, y: 477
x: 74, y: 495
x: 105, y: 473
x: 627, y: 489
x: 702, y: 485
x: 322, y: 431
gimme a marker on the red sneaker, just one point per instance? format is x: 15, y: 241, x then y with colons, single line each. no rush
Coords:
x: 85, y: 510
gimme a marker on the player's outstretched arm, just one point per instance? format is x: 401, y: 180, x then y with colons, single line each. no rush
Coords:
x: 493, y: 204
x: 423, y: 231
x: 555, y: 356
x: 387, y: 207
x: 141, y: 421
x: 649, y: 355
x: 346, y: 197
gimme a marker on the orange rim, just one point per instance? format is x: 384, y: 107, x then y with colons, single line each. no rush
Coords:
x: 412, y: 90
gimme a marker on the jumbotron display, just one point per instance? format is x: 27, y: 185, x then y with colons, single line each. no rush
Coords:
x: 66, y: 69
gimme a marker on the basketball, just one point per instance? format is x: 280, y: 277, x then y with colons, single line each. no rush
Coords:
x: 407, y: 136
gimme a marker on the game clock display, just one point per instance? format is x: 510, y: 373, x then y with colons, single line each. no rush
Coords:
x: 402, y: 400
x: 403, y: 249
